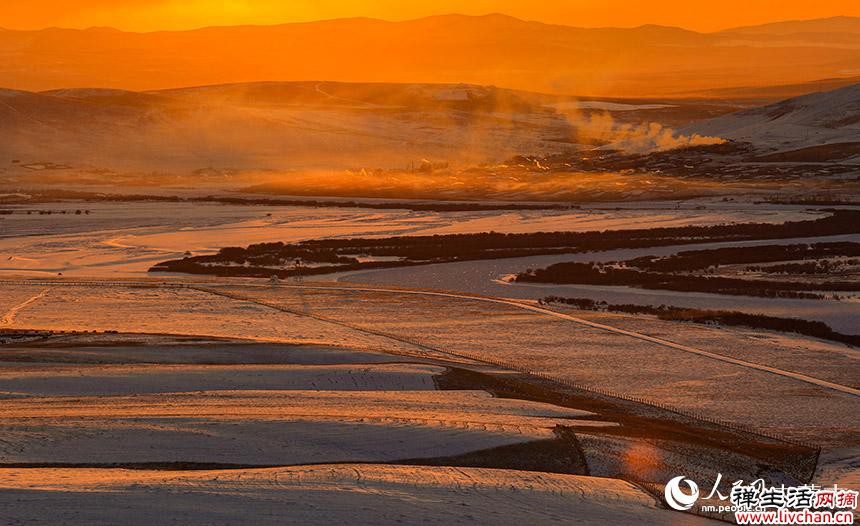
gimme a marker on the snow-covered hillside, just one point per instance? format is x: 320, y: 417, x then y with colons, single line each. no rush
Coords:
x: 821, y: 124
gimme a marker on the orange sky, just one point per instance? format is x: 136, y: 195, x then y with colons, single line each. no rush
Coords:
x: 149, y: 15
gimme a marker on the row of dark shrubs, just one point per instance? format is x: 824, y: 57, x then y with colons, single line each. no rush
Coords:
x: 493, y: 245
x: 815, y: 329
x: 591, y: 274
x: 810, y: 267
x: 840, y: 222
x: 190, y: 266
x: 700, y: 259
x: 273, y: 254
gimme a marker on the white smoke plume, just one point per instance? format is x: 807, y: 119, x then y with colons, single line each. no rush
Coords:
x: 634, y: 138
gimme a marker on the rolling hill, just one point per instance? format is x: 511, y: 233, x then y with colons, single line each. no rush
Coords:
x: 835, y: 24
x: 818, y: 127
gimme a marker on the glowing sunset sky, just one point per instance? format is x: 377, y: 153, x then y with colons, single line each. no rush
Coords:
x: 150, y: 15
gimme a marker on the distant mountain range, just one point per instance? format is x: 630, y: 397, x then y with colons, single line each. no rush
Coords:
x: 489, y: 50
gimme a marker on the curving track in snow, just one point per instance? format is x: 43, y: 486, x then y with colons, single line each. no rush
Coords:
x: 10, y: 315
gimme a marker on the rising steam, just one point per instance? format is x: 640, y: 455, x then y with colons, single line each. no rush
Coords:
x: 633, y: 138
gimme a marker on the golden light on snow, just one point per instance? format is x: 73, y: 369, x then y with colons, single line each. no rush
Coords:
x: 642, y: 458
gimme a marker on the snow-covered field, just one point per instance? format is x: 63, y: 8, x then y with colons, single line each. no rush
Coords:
x: 182, y: 311
x: 334, y: 395
x: 240, y: 372
x: 436, y: 327
x: 614, y: 361
x: 820, y: 359
x: 276, y: 427
x: 327, y: 494
x: 14, y: 300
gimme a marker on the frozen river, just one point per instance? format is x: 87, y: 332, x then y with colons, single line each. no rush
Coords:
x: 485, y: 277
x: 108, y: 239
x: 119, y: 240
